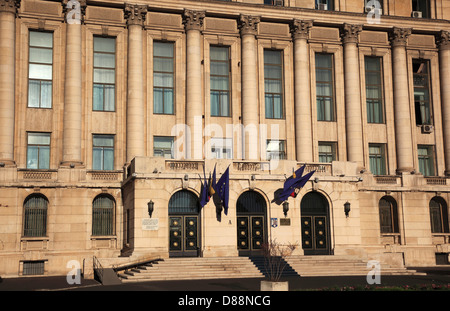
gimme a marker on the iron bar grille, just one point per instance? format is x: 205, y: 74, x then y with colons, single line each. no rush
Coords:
x: 33, y: 267
x: 103, y: 216
x: 35, y: 222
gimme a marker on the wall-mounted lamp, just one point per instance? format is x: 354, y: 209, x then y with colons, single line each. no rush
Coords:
x: 346, y: 208
x: 150, y: 207
x: 285, y: 208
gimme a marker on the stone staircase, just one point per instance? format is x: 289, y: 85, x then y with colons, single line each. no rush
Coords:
x: 245, y: 267
x: 192, y: 268
x: 340, y: 266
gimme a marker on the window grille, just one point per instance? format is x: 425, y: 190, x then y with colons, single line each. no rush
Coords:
x: 103, y: 216
x: 35, y: 218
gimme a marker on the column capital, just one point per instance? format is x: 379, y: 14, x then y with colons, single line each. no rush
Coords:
x: 248, y: 24
x: 10, y: 6
x: 135, y: 14
x: 74, y: 11
x: 443, y: 40
x: 300, y: 29
x: 193, y: 20
x: 350, y: 33
x: 399, y: 36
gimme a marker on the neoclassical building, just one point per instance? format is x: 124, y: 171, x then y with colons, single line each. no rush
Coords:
x: 112, y: 113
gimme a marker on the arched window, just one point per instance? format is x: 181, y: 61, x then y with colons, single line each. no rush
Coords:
x: 251, y: 202
x: 184, y: 202
x: 439, y: 215
x: 388, y: 215
x: 103, y: 216
x: 35, y: 216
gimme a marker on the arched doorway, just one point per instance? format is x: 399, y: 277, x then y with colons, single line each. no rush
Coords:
x: 184, y: 225
x: 251, y: 208
x: 315, y: 224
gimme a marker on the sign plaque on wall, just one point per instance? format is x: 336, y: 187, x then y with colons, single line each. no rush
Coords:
x: 150, y: 224
x: 285, y: 221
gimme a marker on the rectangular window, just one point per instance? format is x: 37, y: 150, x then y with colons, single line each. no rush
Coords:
x: 426, y: 160
x: 221, y: 148
x: 421, y: 91
x: 35, y: 267
x: 163, y: 77
x: 40, y: 69
x: 327, y: 152
x: 38, y: 151
x: 422, y: 6
x: 325, y: 5
x: 273, y: 84
x: 274, y: 2
x: 377, y: 159
x: 220, y: 81
x: 372, y: 5
x: 374, y: 89
x: 276, y: 149
x: 163, y: 147
x: 324, y: 87
x: 104, y: 74
x: 103, y: 152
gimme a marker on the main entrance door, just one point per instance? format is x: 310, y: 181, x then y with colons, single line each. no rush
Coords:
x: 184, y: 225
x: 251, y: 223
x: 315, y: 224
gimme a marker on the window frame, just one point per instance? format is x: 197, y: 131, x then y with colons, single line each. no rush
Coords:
x: 442, y: 216
x: 221, y: 92
x: 371, y: 107
x: 30, y: 47
x: 39, y: 147
x: 35, y: 206
x: 418, y: 5
x: 104, y: 68
x: 102, y: 148
x: 418, y: 104
x: 281, y: 151
x: 164, y: 88
x: 331, y: 84
x: 378, y: 157
x: 103, y: 218
x: 429, y: 158
x: 273, y: 94
x: 333, y: 153
x: 222, y: 144
x: 389, y: 223
x: 172, y: 149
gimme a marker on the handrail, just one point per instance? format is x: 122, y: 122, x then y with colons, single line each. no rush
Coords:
x: 98, y: 268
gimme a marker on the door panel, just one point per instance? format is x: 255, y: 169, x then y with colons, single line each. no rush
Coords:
x: 183, y: 236
x: 315, y: 237
x: 250, y: 235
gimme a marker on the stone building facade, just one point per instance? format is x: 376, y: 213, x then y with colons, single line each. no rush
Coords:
x: 109, y: 108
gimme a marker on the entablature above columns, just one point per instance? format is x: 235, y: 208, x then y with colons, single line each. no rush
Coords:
x: 10, y: 6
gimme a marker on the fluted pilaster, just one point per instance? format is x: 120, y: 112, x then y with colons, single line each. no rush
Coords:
x: 248, y: 26
x: 8, y: 9
x: 135, y: 16
x: 402, y: 116
x: 193, y: 21
x: 302, y: 95
x: 353, y: 113
x: 444, y: 70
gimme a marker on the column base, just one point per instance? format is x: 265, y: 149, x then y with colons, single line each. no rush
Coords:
x: 72, y: 164
x: 7, y: 163
x: 406, y: 170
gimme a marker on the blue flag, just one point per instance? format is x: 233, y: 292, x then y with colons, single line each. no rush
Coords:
x: 223, y: 189
x: 288, y: 190
x: 204, y: 198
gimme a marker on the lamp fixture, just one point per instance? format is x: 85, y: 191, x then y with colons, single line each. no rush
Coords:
x: 346, y: 208
x: 285, y: 208
x: 150, y: 207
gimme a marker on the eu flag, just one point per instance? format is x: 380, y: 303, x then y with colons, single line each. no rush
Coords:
x: 204, y: 198
x: 223, y: 189
x: 290, y: 186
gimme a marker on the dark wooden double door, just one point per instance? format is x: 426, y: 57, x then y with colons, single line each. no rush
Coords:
x: 315, y: 224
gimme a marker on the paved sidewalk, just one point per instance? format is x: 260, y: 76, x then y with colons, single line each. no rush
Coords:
x: 437, y: 276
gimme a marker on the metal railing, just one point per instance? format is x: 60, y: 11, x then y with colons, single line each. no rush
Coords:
x: 98, y: 269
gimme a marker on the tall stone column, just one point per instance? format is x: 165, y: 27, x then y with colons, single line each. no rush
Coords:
x: 8, y: 10
x: 135, y: 17
x: 444, y: 68
x: 402, y: 112
x: 353, y: 115
x: 302, y: 93
x: 250, y: 109
x: 72, y: 121
x: 193, y: 21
